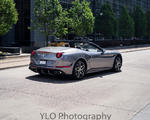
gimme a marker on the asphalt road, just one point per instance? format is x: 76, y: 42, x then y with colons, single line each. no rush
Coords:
x: 25, y: 95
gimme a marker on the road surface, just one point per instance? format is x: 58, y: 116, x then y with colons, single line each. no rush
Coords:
x: 25, y: 95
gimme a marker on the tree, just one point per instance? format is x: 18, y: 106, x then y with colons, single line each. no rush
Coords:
x: 50, y: 18
x: 62, y: 25
x: 148, y: 23
x: 8, y: 15
x: 140, y: 22
x: 106, y: 22
x: 126, y: 24
x: 81, y: 18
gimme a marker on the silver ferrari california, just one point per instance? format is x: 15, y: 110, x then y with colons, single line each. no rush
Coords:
x: 76, y: 59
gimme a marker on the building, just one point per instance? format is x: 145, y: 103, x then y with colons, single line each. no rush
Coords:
x: 118, y: 4
x: 20, y: 35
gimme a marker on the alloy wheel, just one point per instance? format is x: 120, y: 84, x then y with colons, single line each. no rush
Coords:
x: 79, y: 70
x: 118, y: 64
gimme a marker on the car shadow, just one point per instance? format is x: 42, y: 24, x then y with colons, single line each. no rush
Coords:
x: 67, y: 79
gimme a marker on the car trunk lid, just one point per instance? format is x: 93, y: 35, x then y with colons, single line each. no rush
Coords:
x: 52, y: 49
x: 49, y: 53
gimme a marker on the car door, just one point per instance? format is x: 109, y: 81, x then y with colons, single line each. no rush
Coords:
x: 99, y: 58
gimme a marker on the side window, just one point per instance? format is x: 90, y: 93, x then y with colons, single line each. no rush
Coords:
x: 87, y: 47
x: 91, y: 48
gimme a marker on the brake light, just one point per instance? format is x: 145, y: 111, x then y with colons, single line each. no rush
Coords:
x: 58, y: 55
x: 33, y: 52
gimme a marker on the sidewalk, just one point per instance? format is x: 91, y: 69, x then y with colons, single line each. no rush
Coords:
x: 24, y: 59
x: 14, y: 61
x: 132, y: 48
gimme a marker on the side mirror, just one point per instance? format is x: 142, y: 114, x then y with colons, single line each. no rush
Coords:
x: 101, y: 52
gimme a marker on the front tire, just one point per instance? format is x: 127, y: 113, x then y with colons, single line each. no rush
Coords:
x: 117, y: 64
x: 79, y: 70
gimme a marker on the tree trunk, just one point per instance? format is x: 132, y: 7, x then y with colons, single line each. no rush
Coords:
x: 46, y: 40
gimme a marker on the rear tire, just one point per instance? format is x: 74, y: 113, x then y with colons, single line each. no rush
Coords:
x: 117, y: 64
x: 79, y: 70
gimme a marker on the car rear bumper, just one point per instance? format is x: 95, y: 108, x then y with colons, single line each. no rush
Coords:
x: 51, y: 70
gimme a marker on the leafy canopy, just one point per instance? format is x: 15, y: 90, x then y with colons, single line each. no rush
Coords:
x: 81, y: 18
x: 50, y: 18
x: 126, y: 24
x: 140, y: 22
x: 8, y: 15
x: 106, y: 22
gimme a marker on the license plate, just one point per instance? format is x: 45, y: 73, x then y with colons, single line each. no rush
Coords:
x: 42, y: 62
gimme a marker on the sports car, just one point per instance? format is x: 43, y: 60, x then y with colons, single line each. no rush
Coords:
x: 76, y: 59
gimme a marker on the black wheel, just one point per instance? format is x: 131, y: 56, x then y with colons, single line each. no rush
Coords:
x: 117, y: 64
x: 79, y: 70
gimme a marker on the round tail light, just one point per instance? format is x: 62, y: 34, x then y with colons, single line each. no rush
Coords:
x: 58, y: 55
x: 33, y: 52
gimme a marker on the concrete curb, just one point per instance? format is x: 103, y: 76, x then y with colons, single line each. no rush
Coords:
x: 127, y: 51
x: 129, y: 47
x: 17, y: 56
x: 14, y: 67
x: 13, y: 57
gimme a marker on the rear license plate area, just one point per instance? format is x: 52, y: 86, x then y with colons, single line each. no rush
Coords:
x: 42, y: 62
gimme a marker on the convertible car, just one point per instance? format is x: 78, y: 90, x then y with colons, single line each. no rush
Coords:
x: 76, y: 59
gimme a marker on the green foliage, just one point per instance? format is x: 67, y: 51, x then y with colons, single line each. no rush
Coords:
x: 62, y: 25
x: 148, y: 23
x: 81, y: 18
x: 106, y: 22
x: 140, y: 22
x: 126, y: 24
x: 8, y: 15
x: 50, y: 18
